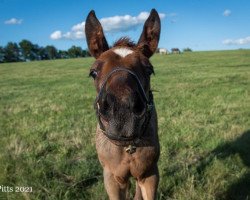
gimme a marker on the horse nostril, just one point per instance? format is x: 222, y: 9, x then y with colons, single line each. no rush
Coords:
x: 106, y: 104
x: 104, y: 107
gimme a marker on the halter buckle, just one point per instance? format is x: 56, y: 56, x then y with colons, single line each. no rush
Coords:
x: 131, y: 149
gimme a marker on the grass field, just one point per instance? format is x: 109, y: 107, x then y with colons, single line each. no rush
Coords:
x: 47, y: 127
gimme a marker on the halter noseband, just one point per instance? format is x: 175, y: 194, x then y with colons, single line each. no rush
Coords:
x: 148, y: 100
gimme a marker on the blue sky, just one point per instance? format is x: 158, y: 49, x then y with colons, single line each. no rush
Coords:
x: 198, y: 24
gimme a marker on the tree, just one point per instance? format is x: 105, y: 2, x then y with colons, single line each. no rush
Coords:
x: 12, y: 53
x: 51, y: 51
x: 43, y: 54
x: 75, y: 52
x: 85, y: 53
x: 63, y: 54
x: 35, y: 52
x: 2, y: 54
x: 26, y: 49
x: 187, y: 50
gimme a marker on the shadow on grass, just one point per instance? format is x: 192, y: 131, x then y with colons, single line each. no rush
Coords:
x: 240, y: 189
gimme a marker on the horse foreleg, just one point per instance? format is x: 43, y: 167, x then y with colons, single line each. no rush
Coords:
x: 149, y: 184
x: 115, y: 189
x: 138, y: 194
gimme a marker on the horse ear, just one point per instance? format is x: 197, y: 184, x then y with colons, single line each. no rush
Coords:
x: 96, y: 40
x: 150, y: 36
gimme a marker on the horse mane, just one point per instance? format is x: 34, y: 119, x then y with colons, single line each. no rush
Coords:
x: 124, y: 42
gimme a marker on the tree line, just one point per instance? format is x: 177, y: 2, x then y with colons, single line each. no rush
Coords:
x: 27, y: 51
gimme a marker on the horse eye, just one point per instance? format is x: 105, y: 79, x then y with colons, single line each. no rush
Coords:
x: 93, y: 74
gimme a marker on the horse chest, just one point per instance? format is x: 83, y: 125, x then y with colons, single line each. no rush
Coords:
x: 123, y: 164
x: 142, y: 160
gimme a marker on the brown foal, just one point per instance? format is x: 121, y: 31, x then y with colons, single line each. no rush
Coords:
x: 126, y: 137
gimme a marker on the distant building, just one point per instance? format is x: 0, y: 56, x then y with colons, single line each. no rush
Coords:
x: 175, y: 51
x: 162, y: 51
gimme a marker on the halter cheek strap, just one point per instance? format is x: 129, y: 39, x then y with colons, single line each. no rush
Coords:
x: 148, y: 100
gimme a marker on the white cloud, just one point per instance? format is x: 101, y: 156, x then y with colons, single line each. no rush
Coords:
x: 227, y: 13
x: 110, y: 24
x: 13, y: 21
x: 56, y: 35
x: 240, y: 41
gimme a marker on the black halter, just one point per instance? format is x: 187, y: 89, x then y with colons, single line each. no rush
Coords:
x: 147, y: 114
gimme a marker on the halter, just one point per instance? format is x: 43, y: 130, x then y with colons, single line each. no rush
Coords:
x: 147, y: 114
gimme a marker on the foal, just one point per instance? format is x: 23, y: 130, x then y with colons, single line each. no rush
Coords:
x: 126, y: 136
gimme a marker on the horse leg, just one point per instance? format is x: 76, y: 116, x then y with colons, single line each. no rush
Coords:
x: 138, y: 194
x: 116, y: 190
x: 149, y: 184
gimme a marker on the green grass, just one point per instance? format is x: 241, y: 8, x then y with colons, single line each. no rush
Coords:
x: 47, y: 127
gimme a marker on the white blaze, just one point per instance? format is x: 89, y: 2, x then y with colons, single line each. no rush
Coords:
x: 123, y: 52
